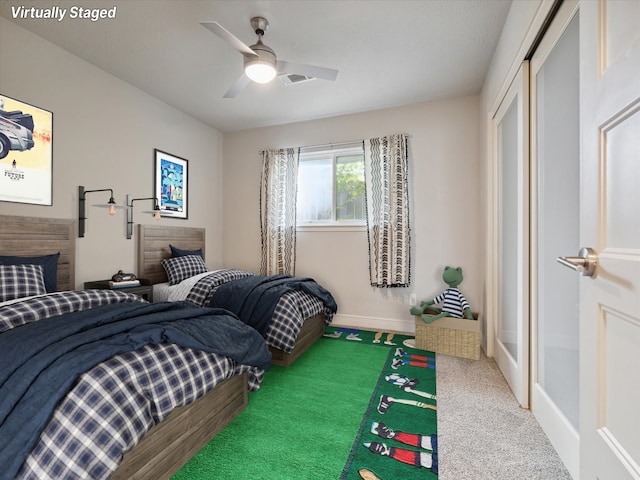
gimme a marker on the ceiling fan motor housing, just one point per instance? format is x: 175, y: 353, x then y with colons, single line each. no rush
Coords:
x: 266, y: 58
x: 265, y: 53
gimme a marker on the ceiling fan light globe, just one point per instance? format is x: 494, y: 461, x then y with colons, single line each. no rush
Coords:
x: 260, y: 71
x: 263, y: 68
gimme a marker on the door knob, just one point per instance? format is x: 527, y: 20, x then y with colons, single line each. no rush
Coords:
x: 585, y: 263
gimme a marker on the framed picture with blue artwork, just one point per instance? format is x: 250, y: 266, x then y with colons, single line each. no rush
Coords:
x: 171, y: 184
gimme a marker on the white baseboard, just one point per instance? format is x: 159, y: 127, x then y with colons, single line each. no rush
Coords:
x: 405, y: 326
x: 560, y: 432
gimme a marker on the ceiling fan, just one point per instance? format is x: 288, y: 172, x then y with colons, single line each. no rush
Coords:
x: 260, y: 62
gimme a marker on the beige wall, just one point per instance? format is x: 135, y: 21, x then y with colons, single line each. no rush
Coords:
x: 444, y: 193
x: 104, y: 133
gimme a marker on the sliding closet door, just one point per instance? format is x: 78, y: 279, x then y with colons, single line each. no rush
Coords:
x: 555, y: 180
x: 511, y: 162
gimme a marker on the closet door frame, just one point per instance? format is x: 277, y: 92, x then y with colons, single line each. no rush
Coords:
x: 515, y: 368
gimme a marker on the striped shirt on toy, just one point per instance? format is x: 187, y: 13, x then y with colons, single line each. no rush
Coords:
x: 453, y: 302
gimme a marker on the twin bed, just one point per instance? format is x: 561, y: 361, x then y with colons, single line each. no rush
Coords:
x: 297, y: 321
x: 152, y: 422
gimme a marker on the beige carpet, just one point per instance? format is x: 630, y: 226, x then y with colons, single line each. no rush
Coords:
x: 483, y: 434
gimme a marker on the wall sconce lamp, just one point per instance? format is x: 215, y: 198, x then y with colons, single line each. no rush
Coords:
x: 155, y: 212
x: 82, y: 213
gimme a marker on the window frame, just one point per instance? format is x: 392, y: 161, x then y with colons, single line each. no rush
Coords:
x: 316, y: 153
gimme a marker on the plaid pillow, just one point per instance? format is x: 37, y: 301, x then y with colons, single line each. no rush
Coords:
x: 48, y: 262
x: 181, y: 268
x: 17, y: 281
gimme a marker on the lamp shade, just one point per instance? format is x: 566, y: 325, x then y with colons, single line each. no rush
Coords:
x: 263, y: 68
x: 111, y: 205
x: 82, y: 216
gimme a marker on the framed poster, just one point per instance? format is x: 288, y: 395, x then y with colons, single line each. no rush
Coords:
x: 26, y: 153
x: 171, y: 184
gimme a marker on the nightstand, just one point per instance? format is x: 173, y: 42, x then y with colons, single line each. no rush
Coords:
x: 145, y: 289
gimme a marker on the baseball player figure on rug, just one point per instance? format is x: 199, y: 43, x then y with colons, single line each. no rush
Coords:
x: 410, y: 457
x: 404, y: 358
x: 386, y: 402
x: 352, y: 334
x: 427, y: 442
x: 407, y: 385
x: 378, y: 335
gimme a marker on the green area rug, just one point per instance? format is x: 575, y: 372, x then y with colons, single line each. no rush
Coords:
x: 302, y: 422
x: 398, y: 435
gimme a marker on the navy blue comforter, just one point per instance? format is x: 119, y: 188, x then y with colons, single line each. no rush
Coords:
x: 253, y: 299
x: 42, y: 360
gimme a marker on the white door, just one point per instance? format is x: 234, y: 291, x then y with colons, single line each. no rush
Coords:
x: 610, y: 223
x: 555, y: 230
x: 511, y: 170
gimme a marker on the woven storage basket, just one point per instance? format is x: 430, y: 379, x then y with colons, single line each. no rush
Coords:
x: 452, y: 336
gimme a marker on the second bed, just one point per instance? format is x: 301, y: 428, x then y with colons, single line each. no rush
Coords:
x: 296, y: 322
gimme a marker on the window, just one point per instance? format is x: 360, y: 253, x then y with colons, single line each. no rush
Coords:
x: 331, y: 187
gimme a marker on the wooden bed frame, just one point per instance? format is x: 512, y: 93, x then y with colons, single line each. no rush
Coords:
x: 153, y: 247
x: 169, y: 445
x: 33, y: 237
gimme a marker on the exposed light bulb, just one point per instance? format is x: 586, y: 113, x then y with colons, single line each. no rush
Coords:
x: 112, y: 210
x: 157, y: 215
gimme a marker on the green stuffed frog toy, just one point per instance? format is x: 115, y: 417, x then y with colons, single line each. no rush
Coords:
x: 453, y: 302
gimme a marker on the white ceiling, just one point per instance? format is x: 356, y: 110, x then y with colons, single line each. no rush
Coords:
x: 388, y: 52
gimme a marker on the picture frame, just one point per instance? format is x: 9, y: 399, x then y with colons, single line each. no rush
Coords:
x: 171, y: 184
x: 26, y: 153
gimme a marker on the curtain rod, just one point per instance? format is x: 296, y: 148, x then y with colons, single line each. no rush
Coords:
x: 332, y: 145
x: 336, y: 145
x: 326, y: 146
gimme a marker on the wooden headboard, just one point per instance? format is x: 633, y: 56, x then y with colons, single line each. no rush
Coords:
x: 153, y: 247
x: 34, y: 236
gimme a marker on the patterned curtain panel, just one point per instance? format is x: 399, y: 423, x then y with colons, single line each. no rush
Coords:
x: 278, y: 190
x: 387, y: 197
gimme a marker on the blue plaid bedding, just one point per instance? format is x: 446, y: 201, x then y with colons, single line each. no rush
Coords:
x: 114, y: 404
x: 44, y: 306
x: 117, y: 402
x: 289, y: 315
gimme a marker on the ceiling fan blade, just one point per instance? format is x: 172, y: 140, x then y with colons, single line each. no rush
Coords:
x: 285, y: 67
x: 225, y: 34
x: 235, y: 89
